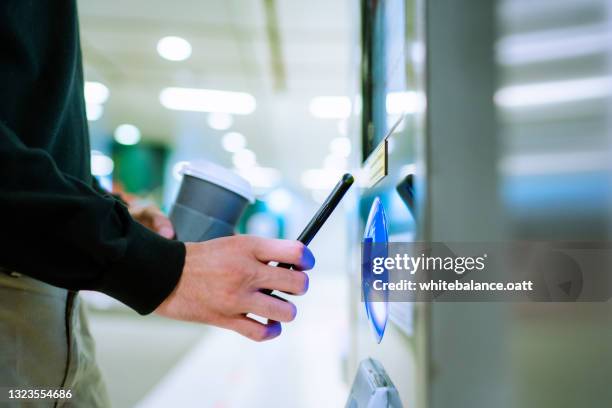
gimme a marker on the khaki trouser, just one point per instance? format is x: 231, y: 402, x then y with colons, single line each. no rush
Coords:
x: 45, y: 343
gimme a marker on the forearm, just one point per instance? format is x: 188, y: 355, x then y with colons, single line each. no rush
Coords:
x: 58, y: 229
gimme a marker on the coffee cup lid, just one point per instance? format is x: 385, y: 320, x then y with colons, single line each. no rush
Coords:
x: 219, y: 175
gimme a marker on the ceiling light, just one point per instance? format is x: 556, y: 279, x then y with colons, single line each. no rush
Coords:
x: 320, y: 179
x: 244, y: 159
x: 207, y: 100
x: 127, y: 134
x: 343, y: 127
x: 279, y: 200
x: 174, y: 48
x: 553, y: 92
x: 549, y: 45
x: 94, y: 111
x: 233, y: 142
x: 330, y: 107
x: 96, y: 93
x: 220, y: 121
x: 340, y: 146
x: 101, y: 164
x: 555, y: 163
x: 261, y: 177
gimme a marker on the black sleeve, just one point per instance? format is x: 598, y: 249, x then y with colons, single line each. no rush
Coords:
x: 95, y: 184
x: 58, y: 229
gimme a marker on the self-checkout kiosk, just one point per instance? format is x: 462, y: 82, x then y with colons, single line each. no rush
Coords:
x: 411, y: 76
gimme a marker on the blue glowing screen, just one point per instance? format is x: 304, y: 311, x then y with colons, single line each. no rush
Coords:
x: 375, y: 301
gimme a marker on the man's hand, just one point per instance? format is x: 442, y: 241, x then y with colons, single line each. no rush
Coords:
x: 222, y: 281
x: 155, y: 220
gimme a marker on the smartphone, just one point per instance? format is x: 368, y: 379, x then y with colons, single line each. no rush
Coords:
x: 330, y: 204
x: 317, y: 221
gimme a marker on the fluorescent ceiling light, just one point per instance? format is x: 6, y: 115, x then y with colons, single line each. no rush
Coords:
x: 554, y: 92
x: 101, y: 164
x: 398, y: 103
x: 244, y: 159
x: 233, y: 142
x: 320, y: 179
x: 220, y: 121
x: 127, y: 134
x: 94, y: 111
x: 553, y: 45
x: 207, y: 100
x: 96, y: 93
x: 556, y: 163
x: 261, y: 177
x: 330, y: 107
x: 174, y: 48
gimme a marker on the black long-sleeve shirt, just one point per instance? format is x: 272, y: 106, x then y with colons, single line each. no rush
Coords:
x: 54, y: 225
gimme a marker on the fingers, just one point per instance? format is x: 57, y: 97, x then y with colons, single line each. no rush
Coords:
x: 290, y: 252
x: 254, y: 330
x: 271, y: 307
x: 152, y: 218
x: 284, y: 280
x: 162, y: 225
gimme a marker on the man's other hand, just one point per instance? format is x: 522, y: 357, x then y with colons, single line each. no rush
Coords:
x: 151, y: 217
x: 222, y: 281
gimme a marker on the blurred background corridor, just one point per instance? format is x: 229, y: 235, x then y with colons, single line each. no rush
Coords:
x: 284, y: 55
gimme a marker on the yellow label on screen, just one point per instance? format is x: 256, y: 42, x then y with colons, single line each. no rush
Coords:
x: 376, y: 166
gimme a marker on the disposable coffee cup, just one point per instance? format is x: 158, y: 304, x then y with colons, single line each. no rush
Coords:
x: 209, y: 203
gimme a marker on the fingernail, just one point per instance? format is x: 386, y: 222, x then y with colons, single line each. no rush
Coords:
x: 308, y: 258
x: 274, y: 329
